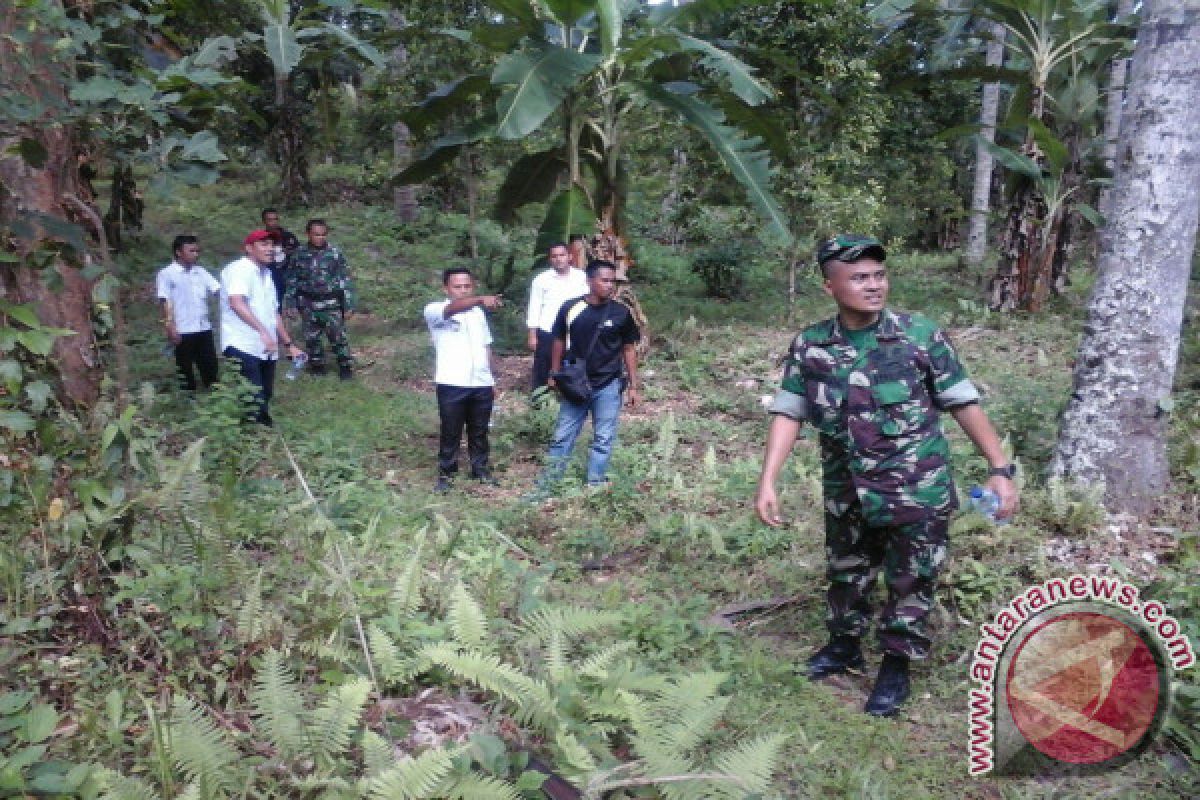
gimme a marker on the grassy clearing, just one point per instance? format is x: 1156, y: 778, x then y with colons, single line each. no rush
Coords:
x: 671, y: 542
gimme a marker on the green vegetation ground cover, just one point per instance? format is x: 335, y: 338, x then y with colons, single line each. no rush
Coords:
x: 224, y: 561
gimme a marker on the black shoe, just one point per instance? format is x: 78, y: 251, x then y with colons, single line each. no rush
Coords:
x: 891, y: 687
x: 316, y: 369
x: 842, y: 653
x: 345, y: 373
x: 485, y: 478
x: 444, y: 484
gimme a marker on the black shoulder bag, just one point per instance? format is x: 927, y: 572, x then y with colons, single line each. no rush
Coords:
x: 571, y: 379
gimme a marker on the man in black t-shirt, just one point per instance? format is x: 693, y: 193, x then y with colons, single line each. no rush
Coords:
x: 600, y: 332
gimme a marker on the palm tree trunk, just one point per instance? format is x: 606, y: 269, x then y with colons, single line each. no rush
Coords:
x: 1114, y: 431
x: 982, y: 192
x: 1113, y: 110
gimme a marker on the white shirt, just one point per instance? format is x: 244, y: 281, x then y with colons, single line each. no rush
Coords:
x: 187, y: 289
x: 253, y: 282
x: 548, y: 292
x: 461, y: 343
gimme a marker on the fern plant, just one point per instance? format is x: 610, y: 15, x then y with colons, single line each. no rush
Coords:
x: 584, y: 705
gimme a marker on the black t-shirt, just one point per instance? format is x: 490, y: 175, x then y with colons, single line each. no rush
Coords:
x: 579, y: 318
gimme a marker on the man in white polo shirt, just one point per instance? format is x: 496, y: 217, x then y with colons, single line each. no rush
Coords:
x: 463, y: 375
x: 251, y: 328
x: 183, y: 289
x: 549, y: 290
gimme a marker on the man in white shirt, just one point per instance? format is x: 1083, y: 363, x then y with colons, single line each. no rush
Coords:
x: 463, y: 374
x: 183, y: 288
x: 251, y: 328
x: 549, y: 290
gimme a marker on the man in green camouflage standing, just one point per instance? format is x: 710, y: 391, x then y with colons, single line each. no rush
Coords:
x: 319, y: 287
x: 872, y: 381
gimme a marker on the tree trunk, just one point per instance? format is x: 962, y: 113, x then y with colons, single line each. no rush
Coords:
x: 295, y: 188
x: 1114, y: 429
x: 1067, y: 219
x: 29, y: 194
x: 1114, y: 107
x: 403, y: 197
x: 471, y: 179
x: 982, y: 192
x: 1022, y: 278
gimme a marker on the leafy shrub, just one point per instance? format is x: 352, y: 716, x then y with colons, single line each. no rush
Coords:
x: 721, y: 268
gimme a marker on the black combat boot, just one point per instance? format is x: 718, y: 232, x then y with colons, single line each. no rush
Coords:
x: 842, y: 653
x: 891, y: 687
x: 316, y: 369
x: 345, y: 373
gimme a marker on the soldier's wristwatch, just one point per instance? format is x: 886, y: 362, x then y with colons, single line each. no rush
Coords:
x: 1007, y: 471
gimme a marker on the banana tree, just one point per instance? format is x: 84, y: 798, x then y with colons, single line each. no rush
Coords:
x: 1055, y: 40
x: 588, y: 66
x: 292, y: 38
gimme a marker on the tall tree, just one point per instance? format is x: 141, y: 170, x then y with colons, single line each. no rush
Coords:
x: 1049, y: 36
x: 40, y: 190
x: 292, y: 36
x: 989, y: 107
x: 1114, y: 429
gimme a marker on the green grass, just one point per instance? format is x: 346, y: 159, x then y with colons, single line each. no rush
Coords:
x: 676, y: 533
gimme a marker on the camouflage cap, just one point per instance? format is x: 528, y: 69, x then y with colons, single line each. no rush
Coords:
x: 849, y: 247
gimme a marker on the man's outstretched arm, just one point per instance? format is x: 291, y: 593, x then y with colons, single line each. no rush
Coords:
x: 978, y: 428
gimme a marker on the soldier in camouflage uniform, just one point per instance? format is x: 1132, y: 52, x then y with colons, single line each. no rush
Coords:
x: 872, y: 381
x: 319, y: 287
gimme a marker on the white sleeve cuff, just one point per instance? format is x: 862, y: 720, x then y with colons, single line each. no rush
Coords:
x: 790, y: 405
x: 960, y: 394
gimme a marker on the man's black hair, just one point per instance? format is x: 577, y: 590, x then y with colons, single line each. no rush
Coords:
x: 265, y: 211
x: 180, y: 241
x: 553, y: 245
x: 577, y: 237
x: 450, y: 272
x: 308, y: 226
x: 599, y: 264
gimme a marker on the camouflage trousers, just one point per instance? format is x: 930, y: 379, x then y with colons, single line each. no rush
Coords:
x: 909, y: 555
x: 330, y: 323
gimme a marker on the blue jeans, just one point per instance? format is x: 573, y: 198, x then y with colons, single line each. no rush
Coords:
x: 605, y: 407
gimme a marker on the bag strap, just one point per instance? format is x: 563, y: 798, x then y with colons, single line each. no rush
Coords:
x: 596, y: 333
x: 599, y: 326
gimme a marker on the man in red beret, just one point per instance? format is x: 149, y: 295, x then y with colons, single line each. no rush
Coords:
x: 251, y: 328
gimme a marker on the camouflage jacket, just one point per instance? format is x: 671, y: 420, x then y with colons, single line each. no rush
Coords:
x: 877, y: 414
x: 318, y: 278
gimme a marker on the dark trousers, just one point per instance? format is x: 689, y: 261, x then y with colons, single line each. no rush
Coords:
x: 261, y: 373
x: 541, y: 358
x: 461, y: 406
x: 196, y: 351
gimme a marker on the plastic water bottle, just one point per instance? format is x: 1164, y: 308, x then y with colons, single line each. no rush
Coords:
x: 986, y: 503
x: 297, y: 367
